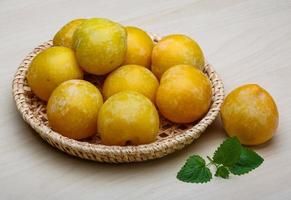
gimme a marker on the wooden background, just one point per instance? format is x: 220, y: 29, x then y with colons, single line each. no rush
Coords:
x: 246, y: 41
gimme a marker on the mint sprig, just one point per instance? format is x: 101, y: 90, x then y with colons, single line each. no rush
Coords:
x: 230, y: 157
x: 195, y: 171
x: 228, y: 152
x: 248, y: 161
x: 222, y: 172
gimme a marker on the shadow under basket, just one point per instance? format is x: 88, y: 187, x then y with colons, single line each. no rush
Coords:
x: 171, y: 137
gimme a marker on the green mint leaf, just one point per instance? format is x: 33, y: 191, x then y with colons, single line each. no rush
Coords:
x: 222, y: 172
x: 228, y: 153
x: 194, y: 171
x: 248, y: 161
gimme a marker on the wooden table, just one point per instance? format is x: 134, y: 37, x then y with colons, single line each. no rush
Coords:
x: 246, y: 41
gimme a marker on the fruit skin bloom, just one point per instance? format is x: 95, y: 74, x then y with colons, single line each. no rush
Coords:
x: 128, y: 117
x: 250, y: 113
x: 73, y: 108
x: 139, y: 47
x: 50, y: 68
x: 131, y: 77
x: 175, y: 50
x: 184, y: 94
x: 100, y: 45
x: 64, y: 37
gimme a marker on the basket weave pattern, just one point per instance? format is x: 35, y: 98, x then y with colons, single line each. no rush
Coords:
x: 171, y: 137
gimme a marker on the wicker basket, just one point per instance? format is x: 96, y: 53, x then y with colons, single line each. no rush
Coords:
x: 171, y: 137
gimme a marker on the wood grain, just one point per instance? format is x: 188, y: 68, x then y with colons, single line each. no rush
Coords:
x: 246, y: 41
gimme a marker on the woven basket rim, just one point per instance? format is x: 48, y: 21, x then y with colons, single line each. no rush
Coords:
x: 92, y: 151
